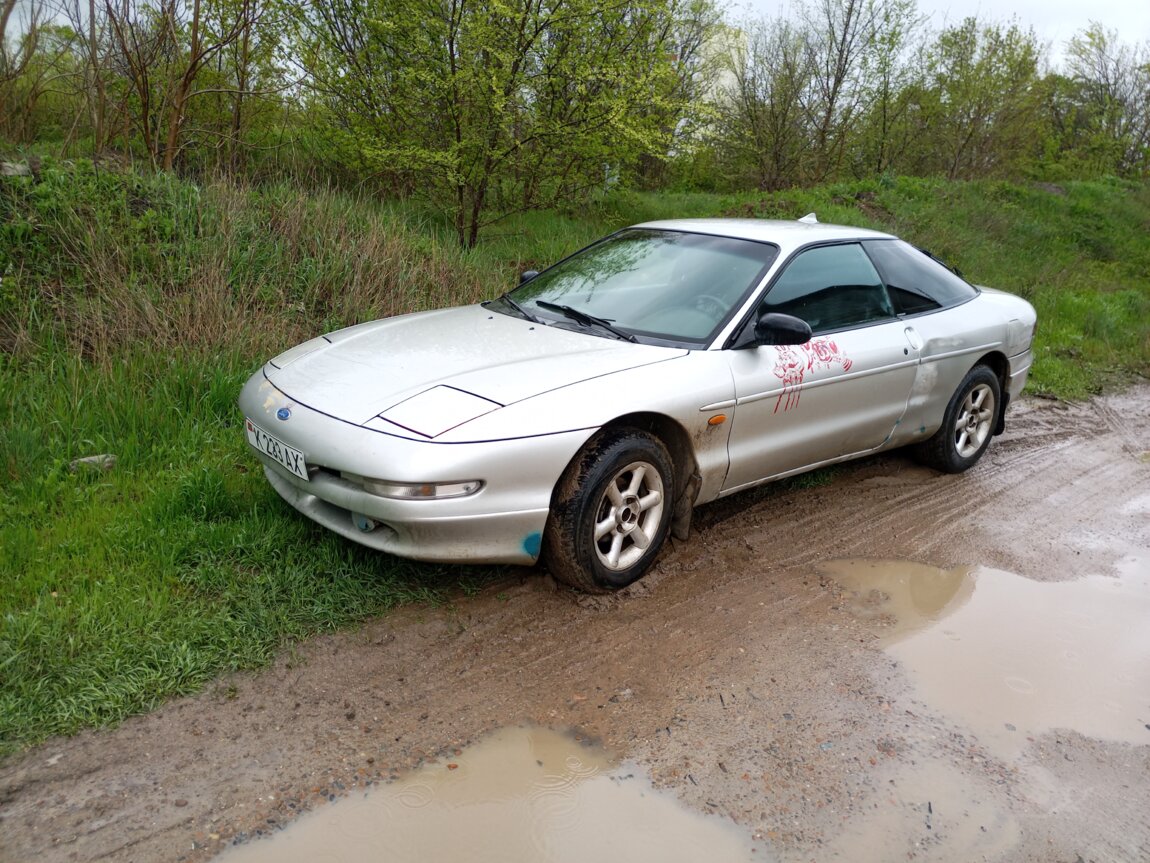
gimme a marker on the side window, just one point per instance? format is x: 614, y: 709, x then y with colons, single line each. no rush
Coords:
x: 830, y: 287
x: 917, y: 282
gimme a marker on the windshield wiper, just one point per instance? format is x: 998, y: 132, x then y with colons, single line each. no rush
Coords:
x: 586, y: 319
x: 506, y: 298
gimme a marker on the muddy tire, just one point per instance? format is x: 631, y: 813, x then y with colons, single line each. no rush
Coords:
x: 967, y: 426
x: 610, y: 512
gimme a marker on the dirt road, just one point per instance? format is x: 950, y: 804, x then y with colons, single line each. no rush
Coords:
x: 787, y: 668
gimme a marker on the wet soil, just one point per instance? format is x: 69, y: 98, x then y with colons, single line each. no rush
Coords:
x: 772, y: 673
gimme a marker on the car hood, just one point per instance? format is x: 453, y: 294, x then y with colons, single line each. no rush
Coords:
x: 432, y: 371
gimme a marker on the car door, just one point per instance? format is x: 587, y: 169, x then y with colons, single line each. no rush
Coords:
x: 842, y: 393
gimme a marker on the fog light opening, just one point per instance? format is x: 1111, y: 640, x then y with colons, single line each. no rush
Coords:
x: 363, y: 523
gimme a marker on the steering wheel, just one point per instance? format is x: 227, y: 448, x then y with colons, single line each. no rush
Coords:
x: 710, y: 305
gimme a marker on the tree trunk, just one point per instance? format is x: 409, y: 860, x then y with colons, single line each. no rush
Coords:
x: 241, y: 88
x: 183, y: 89
x: 96, y: 94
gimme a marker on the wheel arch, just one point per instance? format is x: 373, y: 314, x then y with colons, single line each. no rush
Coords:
x: 997, y: 362
x: 678, y: 443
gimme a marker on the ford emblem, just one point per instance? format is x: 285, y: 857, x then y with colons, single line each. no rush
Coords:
x: 283, y: 414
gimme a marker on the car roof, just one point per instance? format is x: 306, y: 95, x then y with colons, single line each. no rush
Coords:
x: 785, y: 234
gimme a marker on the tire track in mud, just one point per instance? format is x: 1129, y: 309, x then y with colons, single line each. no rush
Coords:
x: 1117, y: 423
x: 1051, y: 465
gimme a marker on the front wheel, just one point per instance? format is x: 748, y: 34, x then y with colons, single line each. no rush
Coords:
x: 610, y: 512
x: 968, y: 424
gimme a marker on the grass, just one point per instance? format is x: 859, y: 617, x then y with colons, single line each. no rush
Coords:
x: 1078, y: 253
x: 104, y: 263
x: 133, y: 307
x: 124, y: 587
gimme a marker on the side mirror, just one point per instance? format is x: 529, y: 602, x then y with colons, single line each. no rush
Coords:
x: 527, y: 275
x: 773, y: 328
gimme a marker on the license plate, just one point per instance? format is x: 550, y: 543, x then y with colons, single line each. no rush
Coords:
x: 274, y: 448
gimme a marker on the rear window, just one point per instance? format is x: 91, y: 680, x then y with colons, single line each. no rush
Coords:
x: 916, y: 282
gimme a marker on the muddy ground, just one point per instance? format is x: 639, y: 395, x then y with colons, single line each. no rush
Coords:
x: 740, y: 674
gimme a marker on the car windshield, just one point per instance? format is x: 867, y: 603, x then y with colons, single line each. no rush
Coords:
x: 662, y: 286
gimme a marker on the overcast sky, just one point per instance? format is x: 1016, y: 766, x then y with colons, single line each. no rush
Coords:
x: 1054, y: 21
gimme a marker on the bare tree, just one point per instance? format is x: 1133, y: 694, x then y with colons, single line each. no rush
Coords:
x: 839, y: 32
x: 162, y: 49
x: 86, y: 18
x: 762, y: 138
x: 891, y: 66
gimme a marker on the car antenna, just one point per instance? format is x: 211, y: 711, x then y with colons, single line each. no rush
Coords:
x: 810, y: 219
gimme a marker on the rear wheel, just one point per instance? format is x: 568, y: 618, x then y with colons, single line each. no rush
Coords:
x: 968, y: 424
x: 610, y: 512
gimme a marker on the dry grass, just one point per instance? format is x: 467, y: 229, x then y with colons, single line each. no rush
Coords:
x: 123, y: 262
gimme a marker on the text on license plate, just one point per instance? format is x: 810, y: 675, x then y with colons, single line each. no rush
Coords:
x: 276, y: 449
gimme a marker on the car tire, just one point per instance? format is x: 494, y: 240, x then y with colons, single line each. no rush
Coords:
x: 968, y: 424
x: 610, y: 512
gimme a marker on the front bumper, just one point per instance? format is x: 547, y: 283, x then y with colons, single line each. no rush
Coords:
x: 406, y: 529
x: 501, y: 523
x: 1018, y: 372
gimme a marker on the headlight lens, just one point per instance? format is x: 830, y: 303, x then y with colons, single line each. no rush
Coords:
x: 415, y: 491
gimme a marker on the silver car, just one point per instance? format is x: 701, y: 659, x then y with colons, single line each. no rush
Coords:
x: 582, y: 416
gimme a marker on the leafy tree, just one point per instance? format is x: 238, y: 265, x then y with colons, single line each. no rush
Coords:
x: 687, y: 32
x: 891, y: 69
x: 980, y: 110
x: 1113, y: 80
x: 499, y: 106
x: 239, y: 89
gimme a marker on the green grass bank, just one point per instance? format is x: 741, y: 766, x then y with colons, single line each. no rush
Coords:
x: 133, y: 307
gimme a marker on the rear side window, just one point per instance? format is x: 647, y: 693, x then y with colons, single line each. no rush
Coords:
x: 916, y: 282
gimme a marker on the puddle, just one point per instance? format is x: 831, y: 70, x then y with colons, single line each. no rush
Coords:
x: 523, y: 794
x: 901, y: 598
x: 1010, y: 657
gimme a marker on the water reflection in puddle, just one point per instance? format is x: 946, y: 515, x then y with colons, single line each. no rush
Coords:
x: 1011, y: 657
x: 522, y: 794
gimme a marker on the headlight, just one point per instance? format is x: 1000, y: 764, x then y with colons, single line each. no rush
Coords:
x: 415, y: 491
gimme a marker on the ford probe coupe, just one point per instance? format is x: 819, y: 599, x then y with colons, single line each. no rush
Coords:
x: 582, y: 416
